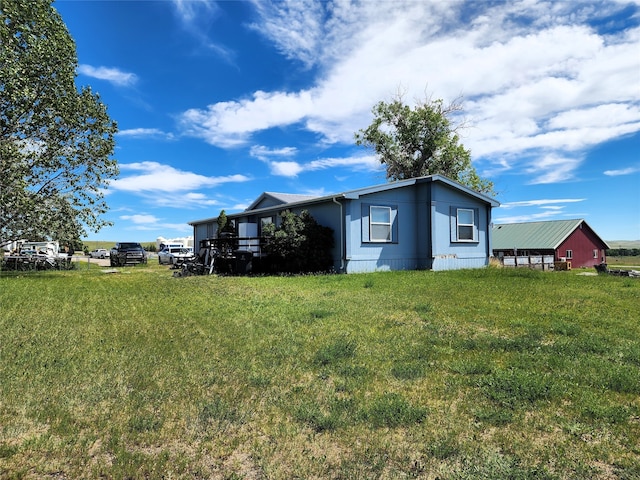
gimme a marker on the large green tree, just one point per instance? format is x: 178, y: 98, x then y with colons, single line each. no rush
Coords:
x: 419, y: 141
x: 56, y: 141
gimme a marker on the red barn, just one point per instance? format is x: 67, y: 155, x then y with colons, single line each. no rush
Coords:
x: 571, y: 240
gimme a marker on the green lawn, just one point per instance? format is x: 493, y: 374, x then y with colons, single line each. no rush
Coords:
x: 495, y: 373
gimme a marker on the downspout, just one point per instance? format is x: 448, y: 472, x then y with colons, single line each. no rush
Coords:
x: 489, y: 235
x: 430, y: 227
x: 342, y: 239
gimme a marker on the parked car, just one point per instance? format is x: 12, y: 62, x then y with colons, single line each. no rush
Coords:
x: 127, y: 253
x: 99, y: 253
x: 174, y: 255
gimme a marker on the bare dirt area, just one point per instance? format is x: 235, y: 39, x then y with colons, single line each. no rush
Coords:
x: 103, y: 262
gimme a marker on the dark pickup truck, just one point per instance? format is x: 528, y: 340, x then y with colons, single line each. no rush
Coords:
x: 127, y: 253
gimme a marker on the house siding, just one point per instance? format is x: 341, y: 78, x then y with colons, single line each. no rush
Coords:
x: 402, y: 253
x: 422, y: 216
x: 423, y: 232
x: 582, y: 242
x: 447, y: 253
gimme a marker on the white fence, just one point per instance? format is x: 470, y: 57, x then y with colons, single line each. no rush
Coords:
x: 540, y: 262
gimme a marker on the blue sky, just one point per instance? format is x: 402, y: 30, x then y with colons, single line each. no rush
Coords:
x: 217, y: 102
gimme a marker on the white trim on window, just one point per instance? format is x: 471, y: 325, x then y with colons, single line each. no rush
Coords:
x: 569, y: 254
x: 465, y: 231
x: 595, y: 253
x: 380, y: 224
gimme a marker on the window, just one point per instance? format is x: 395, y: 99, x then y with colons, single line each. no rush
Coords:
x: 265, y: 221
x: 465, y: 225
x: 380, y: 224
x: 595, y: 254
x: 569, y: 254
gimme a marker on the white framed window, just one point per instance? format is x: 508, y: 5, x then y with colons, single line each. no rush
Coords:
x: 465, y: 223
x: 569, y: 254
x: 380, y: 224
x: 595, y: 253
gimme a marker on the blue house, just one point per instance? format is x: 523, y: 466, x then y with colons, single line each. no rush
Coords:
x: 428, y: 222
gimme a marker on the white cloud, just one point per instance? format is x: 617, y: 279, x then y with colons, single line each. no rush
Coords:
x: 146, y: 222
x: 144, y: 133
x: 293, y: 169
x: 622, y: 171
x: 113, y: 75
x: 551, y: 83
x: 263, y: 153
x: 552, y: 169
x: 295, y: 27
x: 286, y: 169
x: 159, y: 179
x: 532, y: 217
x: 197, y: 16
x: 366, y: 163
x: 612, y: 114
x: 544, y: 202
x: 545, y: 209
x: 140, y: 218
x: 191, y: 10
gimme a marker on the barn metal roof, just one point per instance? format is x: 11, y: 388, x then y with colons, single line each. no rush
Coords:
x: 533, y: 235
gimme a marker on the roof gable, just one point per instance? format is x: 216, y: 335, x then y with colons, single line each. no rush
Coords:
x: 271, y: 199
x: 534, y: 235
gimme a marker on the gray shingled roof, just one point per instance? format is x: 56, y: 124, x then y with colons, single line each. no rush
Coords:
x: 532, y: 235
x: 290, y: 197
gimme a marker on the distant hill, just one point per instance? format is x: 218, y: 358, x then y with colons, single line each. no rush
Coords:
x: 623, y: 243
x: 93, y: 244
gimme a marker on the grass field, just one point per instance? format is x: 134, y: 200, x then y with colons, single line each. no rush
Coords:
x: 627, y: 261
x: 494, y: 374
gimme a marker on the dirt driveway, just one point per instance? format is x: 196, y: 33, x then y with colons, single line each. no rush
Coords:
x: 103, y: 262
x: 81, y: 259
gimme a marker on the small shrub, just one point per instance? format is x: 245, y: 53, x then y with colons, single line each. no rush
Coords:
x: 299, y: 244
